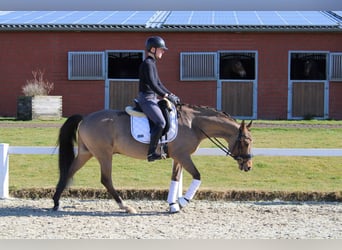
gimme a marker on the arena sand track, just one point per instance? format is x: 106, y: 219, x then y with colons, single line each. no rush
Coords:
x: 101, y: 219
x: 29, y: 216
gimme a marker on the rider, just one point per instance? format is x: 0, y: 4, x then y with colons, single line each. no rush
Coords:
x: 150, y: 87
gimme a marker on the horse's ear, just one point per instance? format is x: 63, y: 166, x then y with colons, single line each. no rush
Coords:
x: 242, y: 125
x: 249, y: 125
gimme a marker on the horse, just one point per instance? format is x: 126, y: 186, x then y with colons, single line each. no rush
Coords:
x: 107, y: 132
x: 232, y: 69
x: 312, y: 70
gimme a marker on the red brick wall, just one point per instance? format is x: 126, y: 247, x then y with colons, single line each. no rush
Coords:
x: 22, y: 52
x: 335, y: 100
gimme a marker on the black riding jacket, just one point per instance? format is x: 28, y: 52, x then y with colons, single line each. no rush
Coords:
x: 149, y: 80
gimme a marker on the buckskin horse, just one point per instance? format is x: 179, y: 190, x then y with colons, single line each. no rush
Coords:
x: 104, y: 133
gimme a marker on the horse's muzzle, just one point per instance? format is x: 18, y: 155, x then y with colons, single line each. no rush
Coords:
x: 245, y: 165
x: 245, y: 168
x: 245, y: 162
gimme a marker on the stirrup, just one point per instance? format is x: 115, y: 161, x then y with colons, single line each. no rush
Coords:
x: 153, y: 157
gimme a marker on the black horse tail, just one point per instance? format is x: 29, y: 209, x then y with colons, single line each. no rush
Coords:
x: 66, y: 140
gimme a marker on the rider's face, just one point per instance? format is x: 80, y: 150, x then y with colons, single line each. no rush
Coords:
x: 159, y: 53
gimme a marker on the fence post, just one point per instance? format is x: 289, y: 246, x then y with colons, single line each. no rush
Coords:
x: 4, y: 163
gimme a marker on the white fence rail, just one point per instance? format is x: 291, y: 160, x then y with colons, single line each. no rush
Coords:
x: 6, y: 150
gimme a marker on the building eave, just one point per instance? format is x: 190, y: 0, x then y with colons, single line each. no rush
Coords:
x: 166, y: 28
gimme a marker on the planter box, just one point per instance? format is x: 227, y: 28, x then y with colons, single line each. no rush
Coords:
x: 39, y: 107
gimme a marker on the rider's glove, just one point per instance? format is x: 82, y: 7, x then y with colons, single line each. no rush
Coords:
x: 174, y: 99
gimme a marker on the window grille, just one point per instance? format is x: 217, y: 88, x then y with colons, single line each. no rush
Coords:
x: 86, y: 65
x: 336, y: 67
x: 198, y: 66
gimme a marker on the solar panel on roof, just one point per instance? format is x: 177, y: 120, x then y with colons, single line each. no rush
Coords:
x: 270, y: 18
x: 201, y: 17
x: 224, y: 17
x: 14, y: 17
x: 196, y: 18
x: 77, y: 17
x: 248, y: 18
x: 338, y: 13
x: 48, y: 16
x: 140, y: 17
x: 317, y: 19
x: 93, y: 17
x: 178, y: 17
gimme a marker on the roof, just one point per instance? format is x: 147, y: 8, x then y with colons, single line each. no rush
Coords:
x: 213, y: 21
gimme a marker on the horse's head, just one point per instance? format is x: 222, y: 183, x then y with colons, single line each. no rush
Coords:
x: 241, y: 149
x: 238, y: 68
x: 308, y: 67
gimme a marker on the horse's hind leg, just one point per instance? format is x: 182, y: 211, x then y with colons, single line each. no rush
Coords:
x: 106, y: 180
x: 77, y: 163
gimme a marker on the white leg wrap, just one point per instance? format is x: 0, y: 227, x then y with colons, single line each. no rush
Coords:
x: 182, y: 202
x: 192, y: 189
x: 173, y: 192
x: 174, y: 208
x: 190, y: 193
x: 172, y: 197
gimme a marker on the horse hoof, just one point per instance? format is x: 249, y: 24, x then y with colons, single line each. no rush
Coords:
x: 55, y: 208
x: 183, y: 201
x: 174, y: 208
x: 130, y: 210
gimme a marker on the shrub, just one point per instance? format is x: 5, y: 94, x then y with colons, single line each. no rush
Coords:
x: 37, y: 85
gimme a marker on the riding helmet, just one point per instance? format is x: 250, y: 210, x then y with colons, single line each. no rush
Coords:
x: 155, y: 42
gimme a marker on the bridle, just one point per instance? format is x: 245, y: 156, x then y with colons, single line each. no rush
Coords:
x: 239, y: 157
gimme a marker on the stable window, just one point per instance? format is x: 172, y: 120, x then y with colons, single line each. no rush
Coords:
x: 308, y: 66
x: 86, y: 65
x: 124, y: 64
x: 197, y: 66
x: 336, y: 67
x: 237, y: 66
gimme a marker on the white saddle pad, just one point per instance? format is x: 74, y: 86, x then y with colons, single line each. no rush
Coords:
x: 140, y: 128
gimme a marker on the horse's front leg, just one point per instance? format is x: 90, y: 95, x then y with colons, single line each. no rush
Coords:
x: 190, y: 167
x: 174, y: 187
x: 190, y: 193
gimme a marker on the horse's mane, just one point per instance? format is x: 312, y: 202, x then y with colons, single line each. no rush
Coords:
x: 207, y: 109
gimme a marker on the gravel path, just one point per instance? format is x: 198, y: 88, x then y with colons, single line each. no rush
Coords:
x: 101, y: 219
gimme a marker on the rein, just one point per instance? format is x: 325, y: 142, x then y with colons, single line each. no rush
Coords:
x: 218, y: 144
x: 225, y: 149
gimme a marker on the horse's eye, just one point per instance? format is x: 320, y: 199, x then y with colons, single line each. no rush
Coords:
x: 246, y: 142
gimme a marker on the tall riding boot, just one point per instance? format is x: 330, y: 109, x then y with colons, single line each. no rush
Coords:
x: 156, y: 133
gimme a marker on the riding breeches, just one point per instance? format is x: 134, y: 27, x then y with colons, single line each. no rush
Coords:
x: 149, y: 105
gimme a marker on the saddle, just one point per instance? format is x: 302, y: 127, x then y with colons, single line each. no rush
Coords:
x: 141, y: 125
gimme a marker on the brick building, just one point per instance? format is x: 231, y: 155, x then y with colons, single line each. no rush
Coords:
x: 251, y: 64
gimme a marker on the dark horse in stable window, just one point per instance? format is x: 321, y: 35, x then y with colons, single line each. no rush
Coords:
x: 237, y: 66
x: 308, y: 66
x: 314, y: 69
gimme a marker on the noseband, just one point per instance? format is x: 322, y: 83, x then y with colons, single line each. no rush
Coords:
x: 239, y: 157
